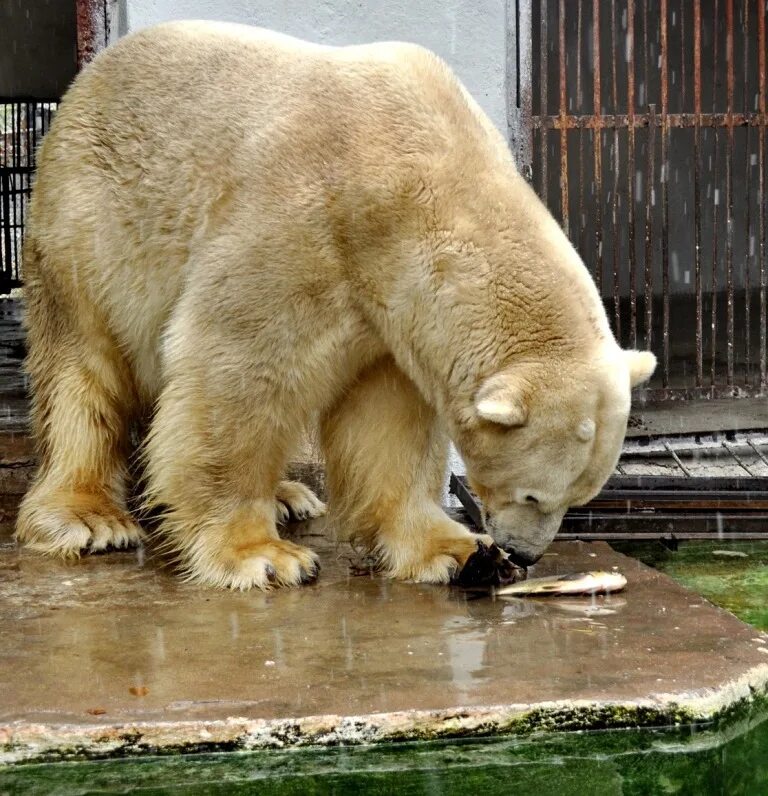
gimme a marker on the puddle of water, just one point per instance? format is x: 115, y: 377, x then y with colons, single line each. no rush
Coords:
x: 733, y: 575
x: 733, y: 760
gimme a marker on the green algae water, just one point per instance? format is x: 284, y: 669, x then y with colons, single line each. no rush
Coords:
x: 733, y: 575
x: 730, y: 760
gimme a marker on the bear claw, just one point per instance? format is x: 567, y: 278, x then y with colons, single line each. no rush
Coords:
x: 310, y: 575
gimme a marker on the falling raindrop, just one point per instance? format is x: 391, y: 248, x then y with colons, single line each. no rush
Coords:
x: 160, y: 643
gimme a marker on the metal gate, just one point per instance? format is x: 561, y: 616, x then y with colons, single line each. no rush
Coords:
x: 22, y: 125
x: 642, y: 124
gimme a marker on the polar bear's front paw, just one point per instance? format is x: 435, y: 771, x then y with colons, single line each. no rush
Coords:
x: 437, y: 553
x: 294, y: 501
x: 259, y: 565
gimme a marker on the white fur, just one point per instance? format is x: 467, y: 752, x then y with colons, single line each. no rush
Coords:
x: 236, y: 233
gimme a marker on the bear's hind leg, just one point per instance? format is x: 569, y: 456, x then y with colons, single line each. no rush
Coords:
x: 385, y: 464
x: 82, y: 400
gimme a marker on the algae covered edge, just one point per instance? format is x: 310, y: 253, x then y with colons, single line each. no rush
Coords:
x: 23, y: 742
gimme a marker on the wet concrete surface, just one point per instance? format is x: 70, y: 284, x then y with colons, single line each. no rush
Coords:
x: 114, y: 654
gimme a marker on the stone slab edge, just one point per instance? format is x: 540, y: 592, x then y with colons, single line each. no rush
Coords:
x: 22, y: 741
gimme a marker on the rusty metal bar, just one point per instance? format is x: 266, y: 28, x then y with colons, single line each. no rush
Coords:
x: 729, y: 190
x: 582, y: 214
x: 735, y: 456
x: 761, y: 202
x: 648, y: 230
x: 665, y: 194
x: 694, y: 503
x: 674, y: 120
x: 630, y: 54
x: 747, y: 183
x: 615, y: 198
x: 757, y: 450
x: 682, y: 52
x: 671, y: 451
x: 596, y: 143
x: 697, y: 187
x: 679, y: 521
x: 716, y: 203
x: 579, y: 26
x: 649, y: 175
x: 544, y: 66
x: 519, y: 97
x: 579, y: 101
x: 563, y: 114
x: 92, y: 29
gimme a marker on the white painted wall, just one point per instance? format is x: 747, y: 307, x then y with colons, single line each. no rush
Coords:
x: 469, y: 34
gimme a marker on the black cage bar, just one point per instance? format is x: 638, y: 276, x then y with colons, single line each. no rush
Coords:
x: 22, y: 125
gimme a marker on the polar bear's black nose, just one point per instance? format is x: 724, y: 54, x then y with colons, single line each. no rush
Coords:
x: 520, y: 558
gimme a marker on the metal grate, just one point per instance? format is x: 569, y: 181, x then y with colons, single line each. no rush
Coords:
x: 642, y: 124
x: 22, y: 125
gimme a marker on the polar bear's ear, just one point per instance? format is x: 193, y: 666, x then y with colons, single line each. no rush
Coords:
x: 641, y: 365
x: 501, y: 400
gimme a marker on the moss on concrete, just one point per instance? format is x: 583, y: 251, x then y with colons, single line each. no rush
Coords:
x: 730, y: 758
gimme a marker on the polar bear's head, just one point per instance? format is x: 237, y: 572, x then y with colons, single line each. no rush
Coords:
x: 538, y: 439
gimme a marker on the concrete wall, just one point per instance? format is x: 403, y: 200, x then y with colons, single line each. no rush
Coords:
x: 38, y: 52
x: 469, y: 34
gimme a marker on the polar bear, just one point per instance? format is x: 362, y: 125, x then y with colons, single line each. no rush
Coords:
x: 242, y: 236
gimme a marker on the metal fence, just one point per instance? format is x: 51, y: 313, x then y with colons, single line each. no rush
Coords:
x: 22, y: 125
x: 642, y: 124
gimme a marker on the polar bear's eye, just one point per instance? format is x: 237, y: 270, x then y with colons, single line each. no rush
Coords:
x: 532, y: 500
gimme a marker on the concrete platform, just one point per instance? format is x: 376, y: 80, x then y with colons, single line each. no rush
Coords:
x: 114, y: 655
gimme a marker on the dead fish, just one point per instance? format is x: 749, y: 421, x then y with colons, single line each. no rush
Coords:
x: 576, y: 583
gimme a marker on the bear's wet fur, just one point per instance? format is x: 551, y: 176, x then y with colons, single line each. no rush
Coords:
x: 243, y: 237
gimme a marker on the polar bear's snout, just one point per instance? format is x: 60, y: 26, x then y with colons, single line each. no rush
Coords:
x: 523, y: 532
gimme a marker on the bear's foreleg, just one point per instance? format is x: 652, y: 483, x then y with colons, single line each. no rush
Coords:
x: 386, y: 459
x: 215, y: 456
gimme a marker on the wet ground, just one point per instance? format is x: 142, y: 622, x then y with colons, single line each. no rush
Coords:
x: 113, y: 654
